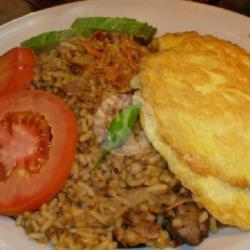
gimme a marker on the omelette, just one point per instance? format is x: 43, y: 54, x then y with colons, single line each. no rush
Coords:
x: 196, y: 93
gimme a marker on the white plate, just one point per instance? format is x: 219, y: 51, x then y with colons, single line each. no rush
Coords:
x: 168, y: 16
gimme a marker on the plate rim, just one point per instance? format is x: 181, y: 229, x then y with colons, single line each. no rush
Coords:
x: 73, y: 4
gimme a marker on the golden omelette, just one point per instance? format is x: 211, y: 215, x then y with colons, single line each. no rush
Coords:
x: 197, y: 115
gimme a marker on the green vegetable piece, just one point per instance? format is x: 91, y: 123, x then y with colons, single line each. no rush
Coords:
x: 120, y: 129
x: 122, y: 126
x: 47, y: 40
x: 87, y: 25
x: 135, y: 82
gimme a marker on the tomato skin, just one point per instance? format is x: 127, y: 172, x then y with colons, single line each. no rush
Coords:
x: 19, y: 194
x: 17, y: 69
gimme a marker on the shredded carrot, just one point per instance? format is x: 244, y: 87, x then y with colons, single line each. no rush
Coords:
x: 117, y: 61
x: 91, y: 49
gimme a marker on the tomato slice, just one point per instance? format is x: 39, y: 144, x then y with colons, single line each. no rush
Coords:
x: 38, y: 138
x: 16, y: 69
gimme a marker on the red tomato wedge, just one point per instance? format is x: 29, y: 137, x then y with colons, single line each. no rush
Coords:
x: 38, y: 139
x: 16, y: 69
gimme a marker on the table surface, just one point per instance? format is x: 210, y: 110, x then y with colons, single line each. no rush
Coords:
x: 11, y: 9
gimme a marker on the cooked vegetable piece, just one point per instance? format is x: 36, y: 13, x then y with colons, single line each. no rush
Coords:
x: 87, y: 25
x: 47, y: 40
x: 120, y: 129
x: 38, y: 139
x: 16, y: 69
x: 135, y: 82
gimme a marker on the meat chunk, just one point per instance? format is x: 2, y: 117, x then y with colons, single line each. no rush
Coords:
x: 139, y: 227
x: 144, y: 224
x: 184, y: 225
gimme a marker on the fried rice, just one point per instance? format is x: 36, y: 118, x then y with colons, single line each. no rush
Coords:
x: 131, y: 198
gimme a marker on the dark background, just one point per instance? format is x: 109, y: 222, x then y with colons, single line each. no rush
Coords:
x: 242, y: 6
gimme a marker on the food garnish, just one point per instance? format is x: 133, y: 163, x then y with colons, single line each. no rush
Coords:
x: 38, y: 138
x: 87, y: 25
x: 120, y: 129
x: 47, y: 40
x: 16, y: 68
